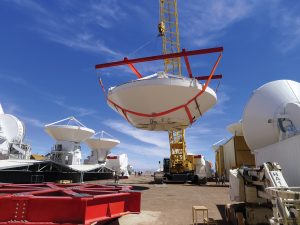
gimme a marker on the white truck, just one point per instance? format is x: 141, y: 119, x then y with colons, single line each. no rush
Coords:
x: 271, y: 127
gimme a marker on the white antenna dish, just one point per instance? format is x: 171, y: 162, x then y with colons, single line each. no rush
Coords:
x: 11, y: 128
x: 102, y: 145
x: 67, y: 132
x: 1, y: 109
x: 268, y: 103
x: 159, y: 93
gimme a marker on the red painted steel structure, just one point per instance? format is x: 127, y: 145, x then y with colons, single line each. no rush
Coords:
x: 69, y: 204
x: 160, y: 57
x: 184, y: 54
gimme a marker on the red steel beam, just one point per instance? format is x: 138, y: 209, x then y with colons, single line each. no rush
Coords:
x: 131, y: 66
x: 187, y: 63
x: 159, y: 57
x: 219, y: 76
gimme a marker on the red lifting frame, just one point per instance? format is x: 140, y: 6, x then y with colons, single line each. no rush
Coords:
x: 69, y: 204
x: 184, y: 54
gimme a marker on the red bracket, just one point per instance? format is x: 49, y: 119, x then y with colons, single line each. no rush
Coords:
x: 131, y: 66
x: 187, y: 63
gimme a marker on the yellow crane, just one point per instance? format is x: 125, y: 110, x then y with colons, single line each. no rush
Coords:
x: 180, y: 166
x: 180, y: 162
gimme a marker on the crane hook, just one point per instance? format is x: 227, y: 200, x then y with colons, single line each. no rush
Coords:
x: 161, y: 28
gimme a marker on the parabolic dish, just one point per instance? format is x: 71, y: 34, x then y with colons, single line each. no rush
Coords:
x: 101, y: 146
x: 12, y: 128
x: 69, y: 132
x: 267, y: 103
x: 102, y: 143
x: 155, y: 94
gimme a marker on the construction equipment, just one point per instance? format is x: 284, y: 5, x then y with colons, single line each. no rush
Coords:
x: 182, y: 166
x: 166, y: 101
x: 198, y: 171
x: 263, y: 197
x: 271, y: 125
x: 179, y: 162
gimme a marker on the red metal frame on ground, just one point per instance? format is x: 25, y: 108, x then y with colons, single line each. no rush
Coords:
x: 69, y: 204
x: 184, y: 54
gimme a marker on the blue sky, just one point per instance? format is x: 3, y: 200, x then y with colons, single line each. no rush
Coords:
x: 49, y: 50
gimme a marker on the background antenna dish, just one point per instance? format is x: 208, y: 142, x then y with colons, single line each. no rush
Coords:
x: 101, y: 144
x: 69, y: 129
x: 11, y: 128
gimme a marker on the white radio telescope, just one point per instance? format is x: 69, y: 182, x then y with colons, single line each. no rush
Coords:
x: 100, y: 146
x: 73, y: 130
x: 68, y: 134
x: 12, y: 133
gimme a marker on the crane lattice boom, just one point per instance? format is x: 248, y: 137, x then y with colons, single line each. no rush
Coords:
x: 168, y: 28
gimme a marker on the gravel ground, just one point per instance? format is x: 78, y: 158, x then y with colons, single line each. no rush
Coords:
x: 172, y: 203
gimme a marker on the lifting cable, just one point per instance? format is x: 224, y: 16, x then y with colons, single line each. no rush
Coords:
x: 143, y: 45
x: 218, y: 85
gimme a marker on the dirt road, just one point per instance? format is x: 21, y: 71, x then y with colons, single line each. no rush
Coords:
x: 172, y: 203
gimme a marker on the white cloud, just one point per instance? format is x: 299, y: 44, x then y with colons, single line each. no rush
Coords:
x: 205, y: 21
x: 159, y: 139
x: 20, y: 81
x: 75, y: 30
x: 286, y: 20
x: 220, y: 107
x: 10, y: 108
x: 13, y: 79
x: 16, y: 110
x: 32, y: 121
x: 142, y: 156
x: 144, y: 151
x: 80, y: 111
x: 29, y: 4
x: 142, y: 165
x: 103, y: 13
